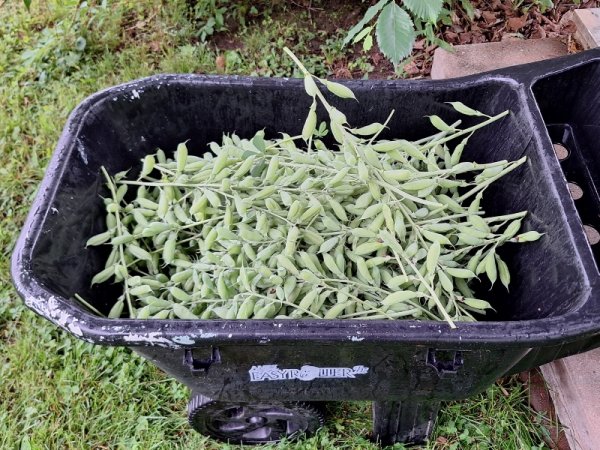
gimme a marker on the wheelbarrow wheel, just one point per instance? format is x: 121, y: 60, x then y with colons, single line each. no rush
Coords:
x: 253, y: 423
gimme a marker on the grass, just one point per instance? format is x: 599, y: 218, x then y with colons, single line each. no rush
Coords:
x: 58, y: 392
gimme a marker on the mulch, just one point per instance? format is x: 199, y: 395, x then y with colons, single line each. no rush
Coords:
x: 493, y: 21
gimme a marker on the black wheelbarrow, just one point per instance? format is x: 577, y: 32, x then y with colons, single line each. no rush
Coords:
x: 255, y: 381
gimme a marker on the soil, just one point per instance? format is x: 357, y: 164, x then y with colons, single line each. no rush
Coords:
x: 493, y: 20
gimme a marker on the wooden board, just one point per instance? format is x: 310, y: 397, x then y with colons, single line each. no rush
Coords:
x: 588, y: 27
x: 574, y: 385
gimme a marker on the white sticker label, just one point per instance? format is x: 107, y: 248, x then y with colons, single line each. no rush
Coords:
x: 305, y: 373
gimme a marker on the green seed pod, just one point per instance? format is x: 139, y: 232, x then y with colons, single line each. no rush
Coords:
x: 162, y: 314
x: 163, y: 205
x: 213, y: 198
x: 311, y: 122
x: 103, y: 275
x: 246, y: 309
x: 181, y: 156
x: 291, y: 239
x: 338, y: 209
x: 490, y: 267
x: 460, y: 273
x: 140, y: 290
x: 436, y: 237
x: 503, y: 272
x: 368, y: 248
x: 179, y: 294
x: 294, y: 210
x: 147, y: 166
x: 477, y: 304
x: 445, y: 281
x: 530, y: 236
x: 183, y: 313
x: 331, y: 264
x: 244, y: 167
x: 308, y: 300
x: 287, y: 264
x: 168, y: 253
x: 210, y: 239
x: 116, y: 311
x: 399, y: 297
x: 336, y: 310
x: 363, y: 270
x: 155, y: 228
x: 312, y: 237
x: 512, y: 229
x: 139, y: 252
x: 99, y: 239
x: 393, y: 176
x: 266, y: 312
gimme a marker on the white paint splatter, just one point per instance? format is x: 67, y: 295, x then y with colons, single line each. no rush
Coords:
x: 184, y: 340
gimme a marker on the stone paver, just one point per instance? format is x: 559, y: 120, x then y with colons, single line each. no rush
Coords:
x: 588, y: 27
x: 477, y: 58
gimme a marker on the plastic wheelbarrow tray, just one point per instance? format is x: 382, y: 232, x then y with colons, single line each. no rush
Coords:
x: 252, y: 379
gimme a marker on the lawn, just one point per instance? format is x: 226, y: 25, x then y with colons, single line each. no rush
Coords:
x: 57, y: 392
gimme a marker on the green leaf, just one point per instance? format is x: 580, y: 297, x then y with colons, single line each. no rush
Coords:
x: 27, y: 4
x: 425, y: 9
x: 371, y: 12
x: 395, y: 33
x: 468, y: 7
x: 259, y: 142
x: 368, y: 43
x: 360, y: 36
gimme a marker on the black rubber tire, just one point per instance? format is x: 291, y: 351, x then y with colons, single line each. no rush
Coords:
x: 253, y: 423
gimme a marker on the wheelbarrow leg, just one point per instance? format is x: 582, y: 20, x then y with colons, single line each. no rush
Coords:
x: 408, y: 422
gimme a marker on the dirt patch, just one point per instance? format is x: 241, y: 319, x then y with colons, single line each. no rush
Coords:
x: 492, y: 21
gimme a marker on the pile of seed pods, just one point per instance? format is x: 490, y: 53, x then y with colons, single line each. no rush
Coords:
x: 288, y: 228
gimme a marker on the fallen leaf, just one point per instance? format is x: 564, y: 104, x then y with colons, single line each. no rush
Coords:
x: 465, y: 38
x: 516, y: 23
x: 489, y: 17
x: 411, y: 68
x: 538, y: 32
x: 451, y: 37
x: 478, y: 38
